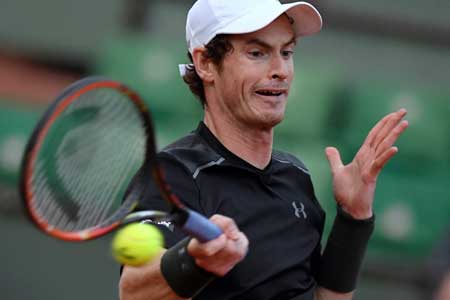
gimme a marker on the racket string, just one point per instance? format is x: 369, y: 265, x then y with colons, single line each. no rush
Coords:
x: 94, y: 160
x: 99, y: 210
x: 102, y: 210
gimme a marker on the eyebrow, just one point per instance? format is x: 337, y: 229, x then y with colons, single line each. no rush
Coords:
x: 267, y: 45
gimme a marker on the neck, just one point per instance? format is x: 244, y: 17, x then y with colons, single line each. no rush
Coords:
x: 254, y: 145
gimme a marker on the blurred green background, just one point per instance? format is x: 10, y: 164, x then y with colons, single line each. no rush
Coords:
x: 371, y: 58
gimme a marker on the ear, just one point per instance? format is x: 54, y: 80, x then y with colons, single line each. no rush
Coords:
x: 203, y: 66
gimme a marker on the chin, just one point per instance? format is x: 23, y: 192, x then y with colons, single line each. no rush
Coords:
x: 269, y: 121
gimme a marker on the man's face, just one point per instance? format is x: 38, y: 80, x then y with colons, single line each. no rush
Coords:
x: 253, y: 85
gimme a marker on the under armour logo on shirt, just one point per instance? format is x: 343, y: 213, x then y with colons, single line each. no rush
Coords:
x: 299, y: 211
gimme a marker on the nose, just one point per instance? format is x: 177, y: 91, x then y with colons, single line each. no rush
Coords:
x: 280, y: 68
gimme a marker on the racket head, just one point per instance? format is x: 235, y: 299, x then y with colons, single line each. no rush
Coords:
x: 78, y: 175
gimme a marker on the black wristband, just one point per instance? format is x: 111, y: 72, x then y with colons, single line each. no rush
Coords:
x: 342, y: 259
x: 182, y: 273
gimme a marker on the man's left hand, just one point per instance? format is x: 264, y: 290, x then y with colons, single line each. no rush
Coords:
x: 354, y: 183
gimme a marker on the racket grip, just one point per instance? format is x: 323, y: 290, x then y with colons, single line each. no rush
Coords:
x: 200, y: 227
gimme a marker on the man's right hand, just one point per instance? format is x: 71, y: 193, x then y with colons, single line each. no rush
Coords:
x: 220, y: 255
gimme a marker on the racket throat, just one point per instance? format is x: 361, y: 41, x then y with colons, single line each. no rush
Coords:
x: 179, y: 216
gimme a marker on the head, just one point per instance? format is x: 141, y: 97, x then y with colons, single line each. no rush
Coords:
x: 241, y: 54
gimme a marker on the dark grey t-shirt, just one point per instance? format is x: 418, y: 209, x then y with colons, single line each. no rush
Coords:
x: 276, y: 208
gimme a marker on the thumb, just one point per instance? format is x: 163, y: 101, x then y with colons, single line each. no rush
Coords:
x: 334, y: 158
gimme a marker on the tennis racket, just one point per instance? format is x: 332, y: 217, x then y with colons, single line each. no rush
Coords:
x: 89, y: 161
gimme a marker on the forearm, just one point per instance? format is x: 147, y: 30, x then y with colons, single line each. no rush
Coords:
x: 322, y: 293
x: 145, y: 283
x: 342, y: 258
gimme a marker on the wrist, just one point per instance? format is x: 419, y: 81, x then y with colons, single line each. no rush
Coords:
x: 181, y: 272
x: 344, y: 252
x: 356, y: 214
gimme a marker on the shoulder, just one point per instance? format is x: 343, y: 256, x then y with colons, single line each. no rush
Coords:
x: 289, y: 159
x: 192, y: 153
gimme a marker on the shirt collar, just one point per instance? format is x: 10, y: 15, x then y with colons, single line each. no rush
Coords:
x: 230, y: 158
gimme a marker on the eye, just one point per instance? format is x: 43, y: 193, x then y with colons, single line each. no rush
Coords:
x: 256, y: 53
x: 287, y: 53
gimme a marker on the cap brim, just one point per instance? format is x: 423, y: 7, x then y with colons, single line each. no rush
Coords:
x: 307, y: 19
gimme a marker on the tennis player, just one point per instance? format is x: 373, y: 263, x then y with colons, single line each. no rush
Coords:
x: 242, y: 69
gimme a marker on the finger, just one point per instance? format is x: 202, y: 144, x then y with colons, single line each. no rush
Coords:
x: 227, y: 258
x: 227, y: 225
x: 381, y: 127
x: 235, y: 250
x: 241, y: 245
x: 393, y: 120
x: 392, y: 137
x: 334, y: 158
x: 374, y: 131
x: 210, y: 248
x: 381, y: 161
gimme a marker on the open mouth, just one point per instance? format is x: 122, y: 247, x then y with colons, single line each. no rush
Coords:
x: 269, y: 93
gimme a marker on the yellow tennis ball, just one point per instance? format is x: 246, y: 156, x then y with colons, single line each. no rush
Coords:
x: 137, y: 244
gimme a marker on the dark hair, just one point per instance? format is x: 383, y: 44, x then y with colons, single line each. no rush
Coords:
x: 216, y: 50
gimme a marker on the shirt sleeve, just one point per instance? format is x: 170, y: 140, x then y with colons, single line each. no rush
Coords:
x: 181, y: 184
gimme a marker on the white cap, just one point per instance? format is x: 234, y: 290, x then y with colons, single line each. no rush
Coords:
x: 208, y: 18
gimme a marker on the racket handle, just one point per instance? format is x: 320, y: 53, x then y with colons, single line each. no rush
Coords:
x: 200, y: 227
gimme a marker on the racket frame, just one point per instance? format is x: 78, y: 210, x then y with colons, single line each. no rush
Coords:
x: 189, y: 221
